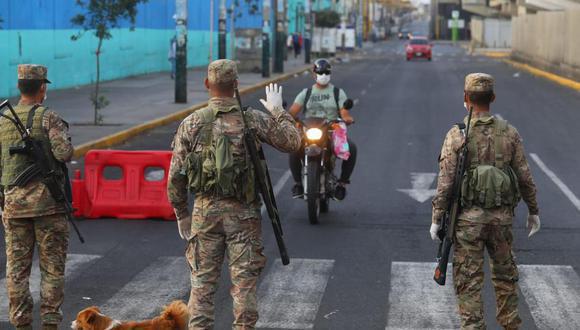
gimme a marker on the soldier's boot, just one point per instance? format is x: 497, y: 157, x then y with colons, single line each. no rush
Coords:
x: 49, y: 327
x: 24, y: 327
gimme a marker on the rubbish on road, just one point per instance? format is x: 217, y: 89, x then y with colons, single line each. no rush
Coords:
x: 516, y: 75
x: 123, y: 184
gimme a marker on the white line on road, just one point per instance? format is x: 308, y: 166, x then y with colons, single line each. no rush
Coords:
x: 289, y: 296
x: 278, y: 186
x: 553, y: 295
x: 563, y: 187
x: 164, y: 280
x: 417, y: 302
x: 74, y: 263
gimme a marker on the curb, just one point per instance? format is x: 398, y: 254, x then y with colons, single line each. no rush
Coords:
x: 121, y: 136
x: 566, y: 82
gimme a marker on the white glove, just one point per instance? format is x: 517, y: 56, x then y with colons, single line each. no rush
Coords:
x: 533, y: 224
x: 434, y: 229
x: 184, y: 227
x: 273, y: 97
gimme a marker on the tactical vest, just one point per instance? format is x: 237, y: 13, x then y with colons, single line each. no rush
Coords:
x: 13, y: 165
x: 219, y: 164
x: 490, y: 185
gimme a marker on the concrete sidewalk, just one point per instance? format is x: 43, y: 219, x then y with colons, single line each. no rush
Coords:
x: 136, y: 100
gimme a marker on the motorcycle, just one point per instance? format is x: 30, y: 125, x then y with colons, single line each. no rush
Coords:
x: 318, y: 178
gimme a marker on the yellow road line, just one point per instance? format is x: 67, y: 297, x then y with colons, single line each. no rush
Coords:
x: 545, y: 74
x: 121, y: 136
x: 496, y: 54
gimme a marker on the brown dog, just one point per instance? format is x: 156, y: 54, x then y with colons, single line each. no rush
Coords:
x: 173, y: 317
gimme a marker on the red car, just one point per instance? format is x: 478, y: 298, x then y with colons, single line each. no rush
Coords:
x: 419, y: 47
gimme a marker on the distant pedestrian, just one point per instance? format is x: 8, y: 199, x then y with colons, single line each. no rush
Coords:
x: 296, y: 44
x: 290, y: 42
x: 171, y: 55
x: 300, y: 42
x: 32, y: 217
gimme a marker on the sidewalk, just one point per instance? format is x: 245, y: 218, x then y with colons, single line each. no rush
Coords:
x: 139, y: 99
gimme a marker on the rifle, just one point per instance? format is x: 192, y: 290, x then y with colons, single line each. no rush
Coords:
x: 264, y: 182
x: 40, y: 168
x: 447, y: 232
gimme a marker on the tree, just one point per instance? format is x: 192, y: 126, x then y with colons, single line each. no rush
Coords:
x: 327, y: 18
x: 100, y: 16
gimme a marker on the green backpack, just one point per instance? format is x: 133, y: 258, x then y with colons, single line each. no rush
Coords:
x: 490, y: 185
x: 216, y: 169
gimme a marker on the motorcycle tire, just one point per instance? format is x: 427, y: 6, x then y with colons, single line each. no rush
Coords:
x: 313, y: 199
x: 324, y: 205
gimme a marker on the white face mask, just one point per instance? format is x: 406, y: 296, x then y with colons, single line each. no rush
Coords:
x: 465, y: 106
x: 323, y: 79
x: 45, y: 96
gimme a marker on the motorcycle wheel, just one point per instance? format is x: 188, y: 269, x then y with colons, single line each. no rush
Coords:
x: 324, y: 205
x: 313, y: 189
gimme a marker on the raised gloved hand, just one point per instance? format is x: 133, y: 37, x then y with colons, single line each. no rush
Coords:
x: 533, y: 224
x: 433, y: 231
x: 184, y: 227
x: 273, y: 97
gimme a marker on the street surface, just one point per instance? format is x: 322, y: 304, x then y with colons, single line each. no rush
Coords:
x: 369, y: 263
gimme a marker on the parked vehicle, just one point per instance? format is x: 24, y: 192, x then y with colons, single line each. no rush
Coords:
x: 419, y: 47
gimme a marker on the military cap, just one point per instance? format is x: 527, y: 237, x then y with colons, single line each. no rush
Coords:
x: 222, y: 72
x: 479, y: 82
x: 33, y: 72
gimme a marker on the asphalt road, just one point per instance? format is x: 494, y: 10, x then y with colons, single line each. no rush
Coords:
x: 368, y: 264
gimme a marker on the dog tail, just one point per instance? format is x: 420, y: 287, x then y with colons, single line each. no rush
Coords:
x: 177, y: 311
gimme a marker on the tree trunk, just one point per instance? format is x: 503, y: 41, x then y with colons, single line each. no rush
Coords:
x: 96, y: 99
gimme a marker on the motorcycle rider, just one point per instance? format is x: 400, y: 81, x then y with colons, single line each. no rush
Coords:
x: 322, y: 100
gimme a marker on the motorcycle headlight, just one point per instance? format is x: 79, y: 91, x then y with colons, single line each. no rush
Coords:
x: 314, y: 134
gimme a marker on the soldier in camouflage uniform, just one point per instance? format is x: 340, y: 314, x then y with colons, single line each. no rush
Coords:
x: 210, y: 160
x: 496, y: 147
x: 30, y: 214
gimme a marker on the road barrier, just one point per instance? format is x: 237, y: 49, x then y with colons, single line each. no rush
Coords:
x: 123, y: 184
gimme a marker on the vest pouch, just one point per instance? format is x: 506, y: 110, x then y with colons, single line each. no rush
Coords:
x: 488, y: 187
x: 225, y: 168
x: 193, y: 172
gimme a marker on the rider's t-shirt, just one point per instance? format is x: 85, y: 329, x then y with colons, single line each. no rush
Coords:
x: 322, y: 103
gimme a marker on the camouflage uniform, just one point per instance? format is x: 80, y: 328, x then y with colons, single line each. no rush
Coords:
x: 225, y: 226
x: 479, y: 228
x: 31, y: 216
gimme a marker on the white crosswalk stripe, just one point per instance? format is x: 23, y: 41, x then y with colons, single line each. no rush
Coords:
x: 289, y: 296
x: 553, y: 295
x: 164, y: 280
x: 74, y: 264
x: 417, y: 302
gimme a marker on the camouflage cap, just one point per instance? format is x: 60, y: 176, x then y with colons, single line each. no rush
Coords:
x: 222, y: 71
x: 33, y: 72
x: 479, y: 82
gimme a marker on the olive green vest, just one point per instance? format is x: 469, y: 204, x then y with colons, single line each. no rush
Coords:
x: 214, y: 169
x: 490, y: 185
x: 14, y: 165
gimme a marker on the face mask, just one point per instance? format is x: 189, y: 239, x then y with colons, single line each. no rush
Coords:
x: 465, y: 106
x: 45, y: 96
x: 323, y: 79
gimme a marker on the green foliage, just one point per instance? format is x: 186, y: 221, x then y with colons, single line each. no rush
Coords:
x: 327, y: 18
x: 99, y: 102
x: 103, y: 15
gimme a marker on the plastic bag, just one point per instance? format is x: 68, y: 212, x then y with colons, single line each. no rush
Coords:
x: 340, y: 141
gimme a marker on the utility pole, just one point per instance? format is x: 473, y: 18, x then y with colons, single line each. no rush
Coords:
x: 266, y: 38
x: 359, y: 24
x: 307, y: 31
x: 211, y: 17
x: 181, y: 51
x: 222, y: 30
x: 279, y: 23
x: 233, y: 31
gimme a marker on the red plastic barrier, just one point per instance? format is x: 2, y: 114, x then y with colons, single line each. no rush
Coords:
x: 132, y: 196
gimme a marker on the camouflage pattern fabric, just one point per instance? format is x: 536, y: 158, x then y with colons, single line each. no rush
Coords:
x: 471, y: 239
x: 50, y: 233
x: 33, y: 72
x: 34, y: 199
x: 222, y: 72
x: 225, y: 226
x: 514, y: 156
x: 239, y: 238
x: 479, y: 82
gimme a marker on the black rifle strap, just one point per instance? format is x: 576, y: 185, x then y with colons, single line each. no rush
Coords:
x: 336, y: 93
x: 30, y: 120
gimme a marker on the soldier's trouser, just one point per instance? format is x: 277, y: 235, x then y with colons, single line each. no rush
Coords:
x: 213, y: 238
x: 471, y: 239
x: 50, y: 233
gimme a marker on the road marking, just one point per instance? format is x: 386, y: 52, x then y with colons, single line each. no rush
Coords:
x: 289, y: 296
x: 164, y: 280
x: 74, y: 263
x: 278, y: 187
x: 563, y: 187
x: 417, y: 302
x: 356, y: 101
x: 421, y: 183
x: 553, y: 295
